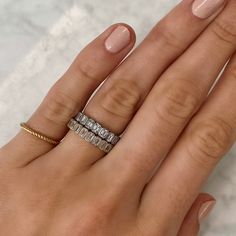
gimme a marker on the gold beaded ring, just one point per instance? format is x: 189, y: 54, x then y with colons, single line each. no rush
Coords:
x: 41, y: 136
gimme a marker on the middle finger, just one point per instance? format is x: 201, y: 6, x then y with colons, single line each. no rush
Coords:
x: 124, y: 92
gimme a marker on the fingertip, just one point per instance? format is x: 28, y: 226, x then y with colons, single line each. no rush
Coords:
x: 200, y: 209
x: 205, y: 197
x: 206, y: 204
x: 131, y: 30
x: 120, y: 38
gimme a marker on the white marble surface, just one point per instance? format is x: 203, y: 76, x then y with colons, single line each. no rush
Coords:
x: 39, y: 39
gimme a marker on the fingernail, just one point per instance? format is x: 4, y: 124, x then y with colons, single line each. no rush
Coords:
x: 118, y: 39
x: 205, y: 209
x: 206, y: 8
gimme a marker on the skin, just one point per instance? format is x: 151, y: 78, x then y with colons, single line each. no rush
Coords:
x: 149, y: 183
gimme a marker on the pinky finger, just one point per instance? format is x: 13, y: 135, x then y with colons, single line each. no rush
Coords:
x: 199, y: 211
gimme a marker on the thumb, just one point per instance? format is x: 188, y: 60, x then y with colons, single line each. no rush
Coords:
x: 199, y: 210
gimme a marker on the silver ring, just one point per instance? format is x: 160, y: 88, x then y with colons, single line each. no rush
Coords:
x: 97, y: 128
x: 89, y: 136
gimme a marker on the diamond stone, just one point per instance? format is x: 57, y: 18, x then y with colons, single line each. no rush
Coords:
x: 102, y: 144
x: 83, y: 119
x: 103, y: 133
x: 73, y: 124
x: 96, y: 140
x: 115, y: 140
x: 96, y: 127
x: 89, y: 136
x: 78, y: 117
x: 83, y: 132
x: 110, y: 137
x: 79, y: 129
x: 90, y: 124
x: 108, y: 148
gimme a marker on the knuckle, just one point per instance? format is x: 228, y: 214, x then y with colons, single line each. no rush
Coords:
x: 210, y: 139
x: 59, y: 107
x: 97, y: 215
x: 225, y: 30
x: 122, y: 99
x: 180, y: 103
x: 86, y: 71
x: 165, y: 33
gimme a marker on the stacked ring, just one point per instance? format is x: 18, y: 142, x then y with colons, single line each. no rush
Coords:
x: 38, y: 135
x: 97, y: 128
x: 93, y: 132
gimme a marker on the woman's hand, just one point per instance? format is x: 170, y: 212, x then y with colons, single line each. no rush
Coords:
x: 174, y: 134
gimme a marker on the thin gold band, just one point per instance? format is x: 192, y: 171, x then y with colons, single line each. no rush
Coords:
x: 39, y: 135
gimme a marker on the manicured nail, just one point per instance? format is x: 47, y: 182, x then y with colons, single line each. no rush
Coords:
x: 118, y: 39
x: 206, y: 8
x: 206, y: 209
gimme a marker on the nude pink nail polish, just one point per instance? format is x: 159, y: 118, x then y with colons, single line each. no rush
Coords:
x: 118, y: 39
x: 206, y: 209
x: 205, y: 8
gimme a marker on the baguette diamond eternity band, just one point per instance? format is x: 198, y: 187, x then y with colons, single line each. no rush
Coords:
x: 97, y: 129
x: 85, y: 130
